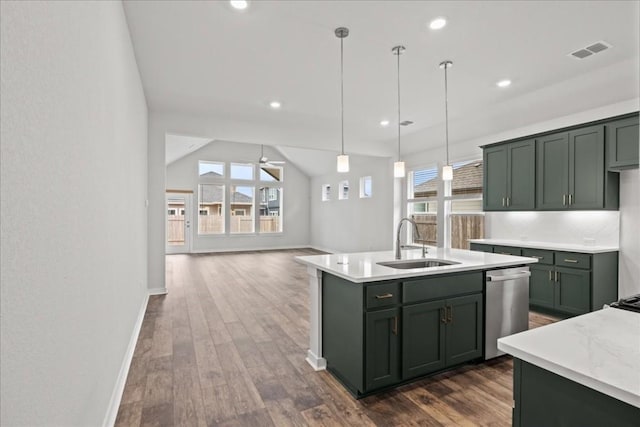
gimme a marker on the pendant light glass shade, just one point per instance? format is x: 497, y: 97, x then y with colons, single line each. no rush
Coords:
x: 343, y: 163
x: 447, y: 170
x: 398, y: 167
x: 447, y: 173
x: 343, y: 159
x: 398, y: 170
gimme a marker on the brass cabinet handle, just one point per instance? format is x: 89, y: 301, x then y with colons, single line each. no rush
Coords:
x: 394, y: 329
x: 570, y: 199
x: 557, y: 274
x: 503, y: 199
x: 570, y: 260
x: 564, y: 200
x: 384, y: 296
x: 550, y: 278
x: 449, y: 314
x: 443, y: 318
x: 508, y: 201
x: 536, y: 257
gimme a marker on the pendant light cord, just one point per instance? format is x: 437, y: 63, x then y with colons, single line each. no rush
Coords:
x: 398, y: 53
x: 342, y: 89
x: 446, y: 111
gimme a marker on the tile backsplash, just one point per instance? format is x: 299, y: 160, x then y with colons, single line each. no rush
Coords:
x: 598, y: 228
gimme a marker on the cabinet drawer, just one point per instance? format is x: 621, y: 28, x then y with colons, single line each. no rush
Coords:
x: 507, y: 250
x: 543, y: 257
x: 383, y: 295
x: 480, y: 247
x: 572, y: 259
x: 441, y: 287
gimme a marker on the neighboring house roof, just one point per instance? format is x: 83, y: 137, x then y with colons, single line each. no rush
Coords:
x: 467, y: 179
x: 213, y: 194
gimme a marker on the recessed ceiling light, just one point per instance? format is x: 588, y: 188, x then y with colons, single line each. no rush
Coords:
x: 275, y: 104
x: 384, y: 123
x: 239, y: 4
x: 504, y: 83
x: 438, y: 23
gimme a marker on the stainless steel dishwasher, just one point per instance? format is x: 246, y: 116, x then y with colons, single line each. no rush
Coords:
x: 507, y: 306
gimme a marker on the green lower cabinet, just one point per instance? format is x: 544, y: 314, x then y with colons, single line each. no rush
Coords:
x: 541, y: 286
x: 382, y: 355
x: 423, y: 334
x: 440, y: 334
x: 464, y: 329
x: 572, y: 290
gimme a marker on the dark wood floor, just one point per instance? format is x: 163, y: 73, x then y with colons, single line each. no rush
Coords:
x: 227, y: 345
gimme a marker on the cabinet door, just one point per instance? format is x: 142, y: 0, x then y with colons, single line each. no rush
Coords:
x: 382, y: 348
x: 541, y: 286
x: 552, y: 171
x: 495, y: 178
x: 521, y: 188
x: 573, y: 290
x: 423, y: 338
x: 586, y: 168
x: 622, y: 143
x: 464, y: 329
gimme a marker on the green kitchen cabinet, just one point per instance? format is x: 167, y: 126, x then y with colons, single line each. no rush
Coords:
x: 571, y: 171
x: 480, y: 247
x: 380, y: 334
x: 382, y: 355
x: 441, y: 333
x: 622, y: 144
x: 541, y: 286
x: 424, y: 337
x: 509, y: 176
x: 572, y: 290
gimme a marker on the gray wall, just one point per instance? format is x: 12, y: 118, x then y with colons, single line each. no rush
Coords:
x: 183, y: 175
x: 73, y: 188
x: 354, y: 225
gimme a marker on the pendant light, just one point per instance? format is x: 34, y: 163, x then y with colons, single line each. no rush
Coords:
x: 398, y: 167
x: 343, y: 159
x: 447, y: 170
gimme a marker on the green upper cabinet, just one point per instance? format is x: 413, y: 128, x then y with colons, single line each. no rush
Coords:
x: 622, y: 144
x: 571, y: 171
x: 509, y: 173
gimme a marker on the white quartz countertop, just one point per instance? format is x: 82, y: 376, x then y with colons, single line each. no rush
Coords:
x: 363, y: 267
x: 587, y: 249
x: 600, y: 350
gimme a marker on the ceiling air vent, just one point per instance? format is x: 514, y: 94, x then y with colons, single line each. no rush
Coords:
x: 406, y: 123
x: 594, y: 48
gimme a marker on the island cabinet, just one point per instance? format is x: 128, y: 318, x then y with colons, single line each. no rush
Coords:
x: 571, y: 171
x: 509, y: 176
x: 381, y: 334
x: 622, y: 144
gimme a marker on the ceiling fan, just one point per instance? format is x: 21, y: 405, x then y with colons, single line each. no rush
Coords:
x: 265, y: 161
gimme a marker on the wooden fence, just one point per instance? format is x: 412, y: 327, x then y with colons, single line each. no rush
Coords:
x: 214, y: 224
x: 463, y: 228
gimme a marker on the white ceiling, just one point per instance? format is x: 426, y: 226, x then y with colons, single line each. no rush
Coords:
x: 206, y: 59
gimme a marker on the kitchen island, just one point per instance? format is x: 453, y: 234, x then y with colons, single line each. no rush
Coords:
x: 583, y: 371
x: 375, y: 326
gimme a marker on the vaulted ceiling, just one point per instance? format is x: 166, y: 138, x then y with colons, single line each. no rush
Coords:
x: 206, y: 59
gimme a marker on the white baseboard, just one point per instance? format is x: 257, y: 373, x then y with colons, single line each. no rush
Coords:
x: 319, y: 248
x: 116, y: 396
x: 253, y: 248
x: 158, y: 291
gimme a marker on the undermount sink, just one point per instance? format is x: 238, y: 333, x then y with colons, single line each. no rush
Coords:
x: 406, y: 264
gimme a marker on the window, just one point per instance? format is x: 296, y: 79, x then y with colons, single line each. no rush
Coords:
x: 326, y: 192
x: 171, y: 212
x: 208, y: 169
x: 422, y: 206
x: 467, y: 219
x: 462, y: 208
x: 241, y: 171
x: 182, y: 212
x: 210, y: 215
x: 271, y: 210
x: 344, y: 190
x: 241, y: 201
x: 365, y: 187
x: 270, y: 173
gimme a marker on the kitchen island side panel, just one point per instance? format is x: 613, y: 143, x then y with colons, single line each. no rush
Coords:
x: 342, y: 328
